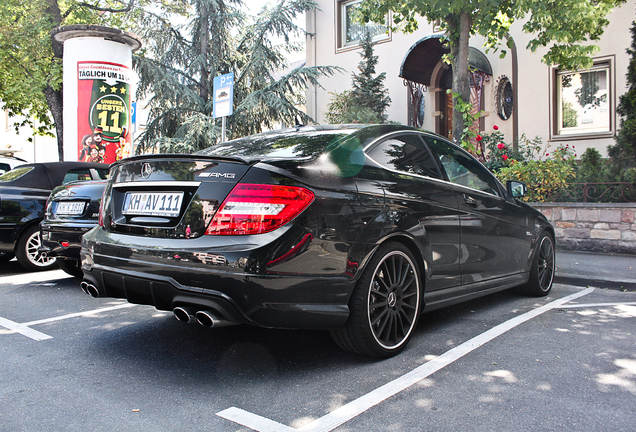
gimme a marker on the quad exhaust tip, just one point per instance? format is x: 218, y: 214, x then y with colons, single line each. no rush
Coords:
x: 183, y: 315
x: 89, y: 289
x: 206, y: 318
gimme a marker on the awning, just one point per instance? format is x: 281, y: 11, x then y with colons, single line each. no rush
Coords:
x: 421, y: 59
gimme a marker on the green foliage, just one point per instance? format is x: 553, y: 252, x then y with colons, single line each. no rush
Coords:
x: 593, y: 168
x: 469, y: 132
x: 543, y: 171
x: 368, y: 100
x: 570, y: 115
x: 545, y: 176
x: 26, y: 63
x: 623, y: 153
x: 216, y: 37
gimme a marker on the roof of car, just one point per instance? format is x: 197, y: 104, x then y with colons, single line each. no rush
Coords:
x: 47, y: 175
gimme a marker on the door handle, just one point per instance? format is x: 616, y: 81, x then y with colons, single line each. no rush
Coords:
x: 470, y: 201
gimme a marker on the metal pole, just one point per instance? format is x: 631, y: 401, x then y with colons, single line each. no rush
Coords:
x: 223, y: 129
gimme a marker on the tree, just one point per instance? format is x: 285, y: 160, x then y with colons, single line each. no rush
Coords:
x: 368, y: 100
x: 31, y: 62
x: 623, y: 153
x: 216, y: 37
x: 561, y: 25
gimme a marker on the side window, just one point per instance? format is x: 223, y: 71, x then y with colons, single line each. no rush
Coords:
x: 406, y: 153
x: 77, y: 174
x: 462, y: 169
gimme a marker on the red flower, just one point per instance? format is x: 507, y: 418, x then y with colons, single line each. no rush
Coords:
x: 505, y: 157
x: 495, y: 127
x: 478, y: 138
x: 501, y: 146
x: 547, y: 154
x: 574, y: 154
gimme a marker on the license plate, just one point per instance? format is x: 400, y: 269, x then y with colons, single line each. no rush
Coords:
x: 70, y: 208
x: 152, y: 203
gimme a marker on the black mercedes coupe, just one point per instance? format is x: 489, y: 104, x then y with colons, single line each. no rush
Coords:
x: 357, y: 229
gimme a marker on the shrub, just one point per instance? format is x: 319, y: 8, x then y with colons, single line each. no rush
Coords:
x: 543, y: 171
x: 544, y: 177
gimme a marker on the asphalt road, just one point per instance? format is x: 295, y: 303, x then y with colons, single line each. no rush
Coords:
x: 501, y: 363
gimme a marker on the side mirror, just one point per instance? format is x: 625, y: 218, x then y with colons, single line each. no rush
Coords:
x: 516, y: 189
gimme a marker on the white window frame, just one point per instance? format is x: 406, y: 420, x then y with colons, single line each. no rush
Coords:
x: 342, y: 7
x: 606, y: 107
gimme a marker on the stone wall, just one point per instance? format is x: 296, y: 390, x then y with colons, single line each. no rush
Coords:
x: 594, y: 227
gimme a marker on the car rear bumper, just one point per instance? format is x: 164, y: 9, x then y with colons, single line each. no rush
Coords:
x: 54, y: 235
x: 229, y: 282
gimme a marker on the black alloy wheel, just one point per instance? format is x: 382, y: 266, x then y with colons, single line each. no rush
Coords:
x: 543, y: 266
x: 385, y: 305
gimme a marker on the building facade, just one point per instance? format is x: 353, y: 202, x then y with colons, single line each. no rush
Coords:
x: 518, y: 93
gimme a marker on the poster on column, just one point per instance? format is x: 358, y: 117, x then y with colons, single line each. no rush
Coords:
x: 103, y: 112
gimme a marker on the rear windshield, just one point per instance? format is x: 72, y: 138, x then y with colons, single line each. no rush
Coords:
x: 103, y: 173
x: 277, y: 146
x: 83, y: 174
x: 14, y: 174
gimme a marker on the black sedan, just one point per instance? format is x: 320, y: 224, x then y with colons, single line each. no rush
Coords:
x: 23, y: 194
x: 355, y: 229
x: 72, y: 209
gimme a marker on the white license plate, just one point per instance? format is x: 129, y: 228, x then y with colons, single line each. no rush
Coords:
x: 152, y: 203
x: 70, y: 208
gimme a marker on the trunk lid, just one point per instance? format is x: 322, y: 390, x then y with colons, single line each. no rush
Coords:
x: 172, y: 196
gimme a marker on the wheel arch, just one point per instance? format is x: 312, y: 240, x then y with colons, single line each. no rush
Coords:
x: 415, y: 249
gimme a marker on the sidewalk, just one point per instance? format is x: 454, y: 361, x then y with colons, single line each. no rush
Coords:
x: 596, y: 270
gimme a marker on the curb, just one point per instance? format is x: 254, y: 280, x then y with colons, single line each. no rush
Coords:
x: 596, y: 283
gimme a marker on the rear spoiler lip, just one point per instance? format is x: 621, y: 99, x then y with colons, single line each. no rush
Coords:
x: 181, y: 156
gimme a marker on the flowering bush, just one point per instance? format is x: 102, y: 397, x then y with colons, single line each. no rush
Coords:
x: 498, y: 153
x: 544, y: 171
x: 544, y: 177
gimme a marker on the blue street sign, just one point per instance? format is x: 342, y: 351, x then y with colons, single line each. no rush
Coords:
x: 223, y: 95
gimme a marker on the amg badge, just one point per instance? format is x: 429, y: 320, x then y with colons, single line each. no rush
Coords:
x: 218, y: 175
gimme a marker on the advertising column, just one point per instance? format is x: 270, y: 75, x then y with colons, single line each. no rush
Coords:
x: 98, y: 82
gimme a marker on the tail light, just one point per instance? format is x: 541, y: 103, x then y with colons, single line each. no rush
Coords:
x: 257, y: 209
x: 100, y: 218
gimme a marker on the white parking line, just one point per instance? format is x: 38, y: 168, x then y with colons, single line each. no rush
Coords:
x: 25, y: 330
x: 77, y: 314
x: 597, y: 305
x: 363, y: 403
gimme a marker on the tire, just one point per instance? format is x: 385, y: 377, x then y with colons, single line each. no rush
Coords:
x: 384, y: 305
x: 27, y: 251
x: 6, y: 257
x: 542, y: 271
x: 72, y: 267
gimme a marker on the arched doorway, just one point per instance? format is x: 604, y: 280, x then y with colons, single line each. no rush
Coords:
x: 423, y: 70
